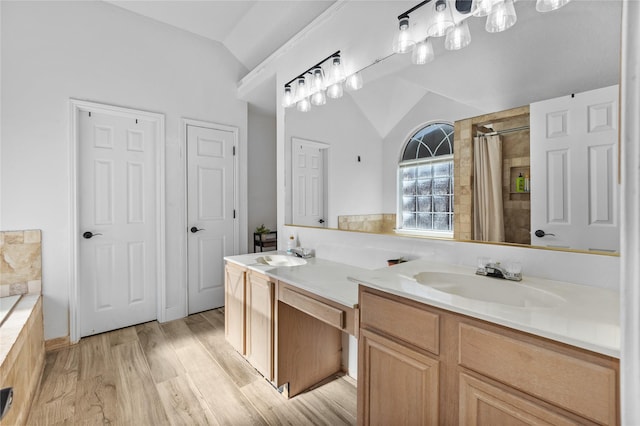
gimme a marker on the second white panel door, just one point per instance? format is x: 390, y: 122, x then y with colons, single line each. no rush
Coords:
x: 210, y: 212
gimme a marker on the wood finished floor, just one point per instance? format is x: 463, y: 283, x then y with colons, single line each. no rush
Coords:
x: 177, y: 373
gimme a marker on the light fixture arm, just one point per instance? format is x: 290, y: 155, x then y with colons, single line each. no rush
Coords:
x: 462, y: 6
x: 333, y: 55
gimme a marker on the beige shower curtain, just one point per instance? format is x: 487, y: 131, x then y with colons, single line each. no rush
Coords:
x: 488, y: 217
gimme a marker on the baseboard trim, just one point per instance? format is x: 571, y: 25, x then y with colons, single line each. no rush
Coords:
x: 57, y: 343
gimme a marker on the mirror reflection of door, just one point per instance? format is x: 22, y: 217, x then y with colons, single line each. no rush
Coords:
x: 309, y: 164
x: 574, y: 171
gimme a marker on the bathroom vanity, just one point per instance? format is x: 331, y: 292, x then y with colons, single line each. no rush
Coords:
x: 288, y: 321
x: 440, y: 345
x: 436, y: 343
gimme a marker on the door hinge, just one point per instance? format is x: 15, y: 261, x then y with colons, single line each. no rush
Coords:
x: 89, y: 113
x: 234, y: 150
x: 234, y: 213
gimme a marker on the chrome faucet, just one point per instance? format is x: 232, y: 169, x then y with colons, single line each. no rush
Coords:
x: 495, y: 270
x: 304, y: 253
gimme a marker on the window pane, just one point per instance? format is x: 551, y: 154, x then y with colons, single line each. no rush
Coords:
x: 409, y: 204
x: 441, y: 221
x: 441, y: 169
x: 441, y: 186
x: 425, y: 171
x: 424, y: 204
x: 440, y: 203
x: 408, y: 173
x: 409, y: 187
x: 409, y: 220
x: 424, y: 187
x: 410, y: 152
x: 425, y: 221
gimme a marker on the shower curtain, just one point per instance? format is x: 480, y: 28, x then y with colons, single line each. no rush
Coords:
x: 488, y: 216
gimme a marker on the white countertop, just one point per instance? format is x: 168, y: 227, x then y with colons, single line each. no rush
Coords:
x: 321, y: 277
x: 588, y: 317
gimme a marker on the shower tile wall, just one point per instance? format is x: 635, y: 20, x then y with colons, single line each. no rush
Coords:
x: 375, y: 223
x: 20, y: 262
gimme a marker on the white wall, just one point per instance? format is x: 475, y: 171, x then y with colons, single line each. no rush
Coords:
x: 432, y: 107
x: 354, y: 187
x: 52, y: 51
x: 262, y: 172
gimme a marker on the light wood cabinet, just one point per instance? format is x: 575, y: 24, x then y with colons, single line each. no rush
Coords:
x: 249, y: 322
x: 484, y: 374
x: 259, y: 317
x: 234, y: 306
x: 399, y: 385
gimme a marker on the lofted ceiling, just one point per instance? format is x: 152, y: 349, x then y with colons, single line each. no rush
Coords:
x: 544, y: 55
x: 250, y: 29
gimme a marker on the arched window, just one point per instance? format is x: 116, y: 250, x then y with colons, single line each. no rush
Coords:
x: 425, y: 178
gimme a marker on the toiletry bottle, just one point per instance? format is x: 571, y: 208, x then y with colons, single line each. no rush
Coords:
x: 520, y: 183
x: 526, y: 183
x: 291, y: 244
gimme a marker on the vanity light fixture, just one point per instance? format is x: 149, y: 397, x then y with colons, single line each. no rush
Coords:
x: 354, y: 81
x: 423, y: 52
x: 449, y: 17
x: 442, y: 20
x: 458, y: 37
x: 402, y: 42
x: 313, y: 86
x: 502, y: 17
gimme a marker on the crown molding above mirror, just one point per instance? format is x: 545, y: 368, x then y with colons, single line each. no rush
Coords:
x: 392, y: 89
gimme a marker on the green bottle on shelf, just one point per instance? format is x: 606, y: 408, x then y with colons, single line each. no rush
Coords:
x: 520, y: 183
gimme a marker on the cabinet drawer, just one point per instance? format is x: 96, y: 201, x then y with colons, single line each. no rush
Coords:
x: 315, y: 308
x: 415, y: 326
x: 582, y: 387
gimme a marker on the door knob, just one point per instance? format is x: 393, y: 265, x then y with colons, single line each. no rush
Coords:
x: 540, y: 233
x: 321, y: 221
x: 87, y: 235
x: 194, y: 229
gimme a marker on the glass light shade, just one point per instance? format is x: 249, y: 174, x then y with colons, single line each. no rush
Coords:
x: 317, y: 79
x: 335, y: 91
x: 287, y: 98
x: 422, y: 52
x: 502, y: 17
x: 336, y: 72
x: 458, y: 37
x: 354, y: 81
x: 402, y: 41
x: 302, y: 91
x: 319, y: 98
x: 549, y: 5
x: 303, y: 105
x: 441, y: 21
x: 483, y: 7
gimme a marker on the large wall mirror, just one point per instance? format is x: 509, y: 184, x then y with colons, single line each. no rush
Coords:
x: 347, y: 152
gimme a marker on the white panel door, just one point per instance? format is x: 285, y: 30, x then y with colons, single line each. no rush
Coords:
x: 211, y: 211
x: 574, y: 171
x: 117, y: 251
x: 308, y: 183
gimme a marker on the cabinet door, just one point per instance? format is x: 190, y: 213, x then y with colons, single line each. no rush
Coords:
x: 396, y: 385
x: 259, y: 338
x: 484, y: 404
x: 234, y: 302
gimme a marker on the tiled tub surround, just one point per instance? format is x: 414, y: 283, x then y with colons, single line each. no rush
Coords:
x: 382, y: 223
x: 20, y: 262
x: 22, y: 356
x: 21, y: 331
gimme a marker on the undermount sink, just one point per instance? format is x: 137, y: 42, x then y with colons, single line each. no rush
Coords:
x: 281, y: 260
x: 489, y: 290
